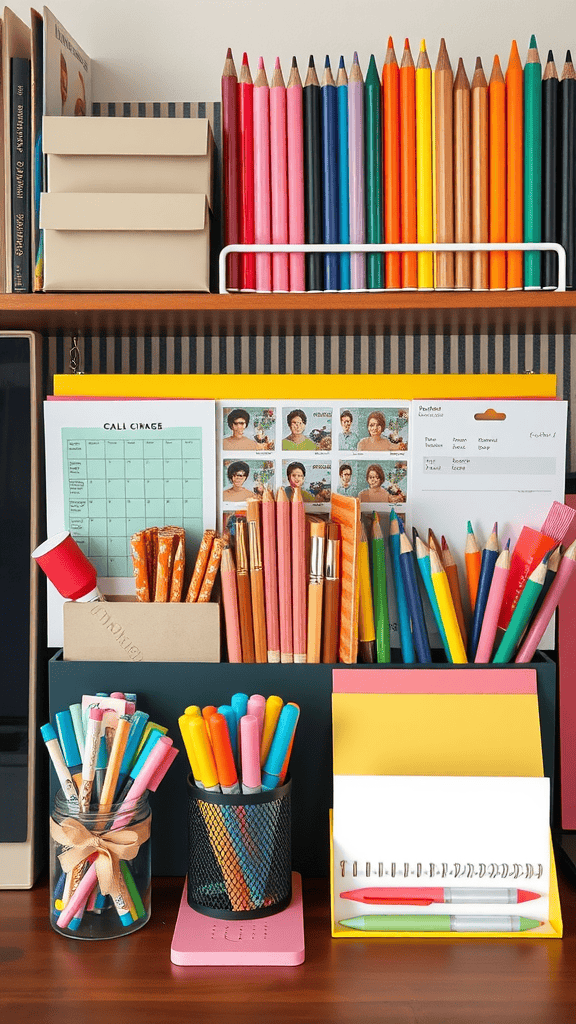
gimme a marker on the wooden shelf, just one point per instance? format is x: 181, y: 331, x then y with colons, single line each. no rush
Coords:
x: 310, y: 313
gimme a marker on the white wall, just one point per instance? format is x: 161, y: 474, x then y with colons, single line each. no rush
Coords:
x: 175, y: 49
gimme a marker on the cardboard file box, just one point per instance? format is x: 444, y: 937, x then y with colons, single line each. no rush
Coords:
x: 125, y: 242
x: 133, y: 631
x: 123, y: 154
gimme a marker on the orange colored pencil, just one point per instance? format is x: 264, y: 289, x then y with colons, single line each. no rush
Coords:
x: 408, y: 223
x: 480, y: 219
x: 391, y: 144
x: 473, y: 558
x: 444, y: 169
x: 451, y: 570
x: 462, y: 198
x: 497, y: 97
x: 515, y: 164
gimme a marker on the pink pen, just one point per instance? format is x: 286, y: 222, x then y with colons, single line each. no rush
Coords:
x: 270, y: 567
x: 250, y: 747
x: 295, y: 135
x: 262, y: 177
x: 257, y: 707
x: 153, y: 771
x: 279, y: 178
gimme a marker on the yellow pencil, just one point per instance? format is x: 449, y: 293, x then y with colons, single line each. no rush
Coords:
x: 424, y: 162
x: 366, y: 627
x: 447, y: 610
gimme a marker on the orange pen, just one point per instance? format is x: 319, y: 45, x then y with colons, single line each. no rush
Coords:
x: 473, y: 557
x: 391, y: 142
x: 207, y: 713
x: 497, y: 203
x: 225, y: 764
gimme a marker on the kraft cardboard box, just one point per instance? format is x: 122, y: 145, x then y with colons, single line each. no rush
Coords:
x: 124, y: 629
x: 126, y: 242
x: 109, y: 154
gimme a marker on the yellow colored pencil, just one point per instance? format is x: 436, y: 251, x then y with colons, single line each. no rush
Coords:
x: 424, y: 191
x: 447, y: 610
x: 366, y: 627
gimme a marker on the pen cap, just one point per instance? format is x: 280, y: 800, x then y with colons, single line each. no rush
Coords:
x: 250, y: 745
x: 232, y: 724
x: 225, y: 764
x: 67, y: 567
x: 282, y: 738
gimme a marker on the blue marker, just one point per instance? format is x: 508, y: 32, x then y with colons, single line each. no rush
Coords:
x: 77, y: 722
x: 139, y: 720
x: 155, y: 734
x: 343, y: 172
x: 70, y: 749
x: 272, y: 771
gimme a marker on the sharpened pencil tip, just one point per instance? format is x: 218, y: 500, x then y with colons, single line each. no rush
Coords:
x: 443, y: 543
x: 568, y: 57
x: 469, y: 527
x: 229, y: 53
x: 277, y: 64
x: 423, y: 46
x: 495, y: 528
x: 532, y: 42
x: 294, y: 63
x: 355, y: 57
x: 327, y: 61
x: 390, y: 42
x: 245, y: 58
x: 550, y: 57
x: 311, y: 62
x: 260, y: 63
x: 478, y: 65
x: 341, y: 62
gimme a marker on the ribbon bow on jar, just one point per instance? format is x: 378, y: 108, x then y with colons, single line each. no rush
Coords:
x: 105, y: 849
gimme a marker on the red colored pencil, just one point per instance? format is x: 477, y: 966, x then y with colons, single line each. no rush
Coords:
x: 247, y: 221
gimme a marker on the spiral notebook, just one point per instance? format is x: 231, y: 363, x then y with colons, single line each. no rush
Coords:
x: 441, y: 787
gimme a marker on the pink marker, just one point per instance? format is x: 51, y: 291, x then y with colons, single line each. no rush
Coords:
x: 279, y: 179
x: 257, y: 707
x: 250, y: 747
x: 295, y: 152
x: 262, y: 177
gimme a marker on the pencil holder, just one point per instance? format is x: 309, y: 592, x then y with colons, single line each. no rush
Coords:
x: 239, y: 853
x: 100, y: 869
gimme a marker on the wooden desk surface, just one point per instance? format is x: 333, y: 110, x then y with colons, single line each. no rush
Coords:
x: 48, y: 978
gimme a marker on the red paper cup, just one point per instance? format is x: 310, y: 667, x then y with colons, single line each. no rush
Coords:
x: 67, y: 567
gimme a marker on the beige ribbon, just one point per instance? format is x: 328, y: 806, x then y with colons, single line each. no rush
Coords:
x: 111, y: 848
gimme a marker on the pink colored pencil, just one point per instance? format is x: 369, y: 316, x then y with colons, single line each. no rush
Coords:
x: 295, y: 132
x: 279, y: 178
x: 356, y: 172
x: 262, y: 233
x: 550, y: 603
x: 230, y: 601
x: 270, y: 575
x: 299, y: 582
x: 284, y: 547
x: 246, y: 169
x: 493, y: 606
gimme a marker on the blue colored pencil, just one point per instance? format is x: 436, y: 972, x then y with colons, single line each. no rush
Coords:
x: 489, y: 558
x: 343, y: 173
x: 406, y: 642
x: 413, y: 599
x: 330, y: 177
x: 423, y: 558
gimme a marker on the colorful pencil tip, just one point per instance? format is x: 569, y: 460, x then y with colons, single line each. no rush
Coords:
x: 469, y: 527
x: 393, y: 514
x: 311, y: 62
x: 507, y: 544
x: 294, y: 62
x: 277, y: 64
x: 406, y: 43
x: 533, y: 42
x: 244, y: 58
x: 260, y: 63
x: 229, y: 53
x: 390, y: 42
x: 341, y: 62
x: 355, y: 57
x: 478, y: 66
x: 550, y: 57
x: 327, y: 61
x: 495, y: 528
x: 568, y: 57
x: 443, y: 543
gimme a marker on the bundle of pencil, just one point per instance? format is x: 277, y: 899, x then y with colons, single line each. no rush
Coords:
x: 158, y: 558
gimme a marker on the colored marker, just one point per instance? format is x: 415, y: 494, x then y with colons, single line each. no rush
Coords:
x: 440, y: 923
x: 283, y: 736
x: 250, y: 746
x: 69, y: 745
x: 52, y: 745
x: 423, y: 896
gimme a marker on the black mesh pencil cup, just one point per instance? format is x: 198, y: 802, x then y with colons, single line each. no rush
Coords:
x: 239, y: 853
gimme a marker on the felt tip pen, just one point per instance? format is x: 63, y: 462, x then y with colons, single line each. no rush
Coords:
x: 50, y: 738
x: 250, y: 746
x: 225, y: 764
x: 184, y: 723
x: 78, y: 724
x: 69, y: 745
x: 423, y: 896
x: 91, y: 751
x: 204, y: 755
x: 139, y: 720
x: 154, y: 736
x: 230, y: 715
x: 272, y: 771
x: 440, y: 923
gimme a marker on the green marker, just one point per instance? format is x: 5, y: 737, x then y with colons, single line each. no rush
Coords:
x: 532, y: 163
x: 373, y: 166
x: 440, y: 923
x: 521, y: 614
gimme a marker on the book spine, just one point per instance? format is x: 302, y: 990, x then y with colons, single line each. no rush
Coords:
x: 21, y: 173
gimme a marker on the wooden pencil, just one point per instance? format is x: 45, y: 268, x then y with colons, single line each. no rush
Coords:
x: 247, y: 219
x: 257, y: 580
x: 343, y: 173
x: 299, y: 588
x: 454, y: 582
x: 515, y: 166
x: 424, y: 167
x: 391, y: 143
x: 262, y: 229
x: 230, y: 167
x: 550, y: 87
x: 312, y: 102
x: 480, y: 219
x: 284, y: 548
x: 473, y: 559
x: 270, y: 563
x: 447, y: 610
x: 567, y: 177
x: 532, y: 164
x: 408, y: 223
x: 462, y: 197
x: 373, y: 137
x: 497, y: 196
x: 244, y: 595
x: 279, y: 179
x: 295, y: 156
x: 356, y: 173
x: 444, y: 165
x: 330, y: 219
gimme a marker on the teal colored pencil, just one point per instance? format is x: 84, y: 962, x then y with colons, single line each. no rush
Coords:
x: 532, y: 163
x: 373, y: 168
x: 404, y: 628
x: 521, y: 614
x: 382, y: 619
x: 423, y: 559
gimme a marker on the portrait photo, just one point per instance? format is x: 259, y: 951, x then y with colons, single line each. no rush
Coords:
x: 382, y: 429
x: 383, y: 482
x: 312, y: 478
x: 242, y: 480
x: 306, y: 429
x: 248, y: 429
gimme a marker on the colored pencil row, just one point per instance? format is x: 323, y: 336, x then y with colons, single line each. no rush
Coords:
x: 411, y: 155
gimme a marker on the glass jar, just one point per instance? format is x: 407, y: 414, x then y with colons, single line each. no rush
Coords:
x: 121, y: 841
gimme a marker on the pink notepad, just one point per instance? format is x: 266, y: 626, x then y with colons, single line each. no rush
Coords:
x: 275, y: 941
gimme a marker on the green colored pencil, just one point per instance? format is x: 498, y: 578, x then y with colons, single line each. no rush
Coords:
x: 532, y: 163
x: 132, y: 889
x: 521, y: 614
x: 382, y: 621
x: 373, y: 129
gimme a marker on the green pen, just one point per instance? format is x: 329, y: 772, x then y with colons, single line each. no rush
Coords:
x: 373, y: 166
x: 532, y: 163
x: 521, y: 614
x: 440, y: 923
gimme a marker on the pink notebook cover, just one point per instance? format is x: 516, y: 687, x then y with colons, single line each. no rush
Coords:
x: 450, y: 680
x: 275, y: 941
x: 567, y: 690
